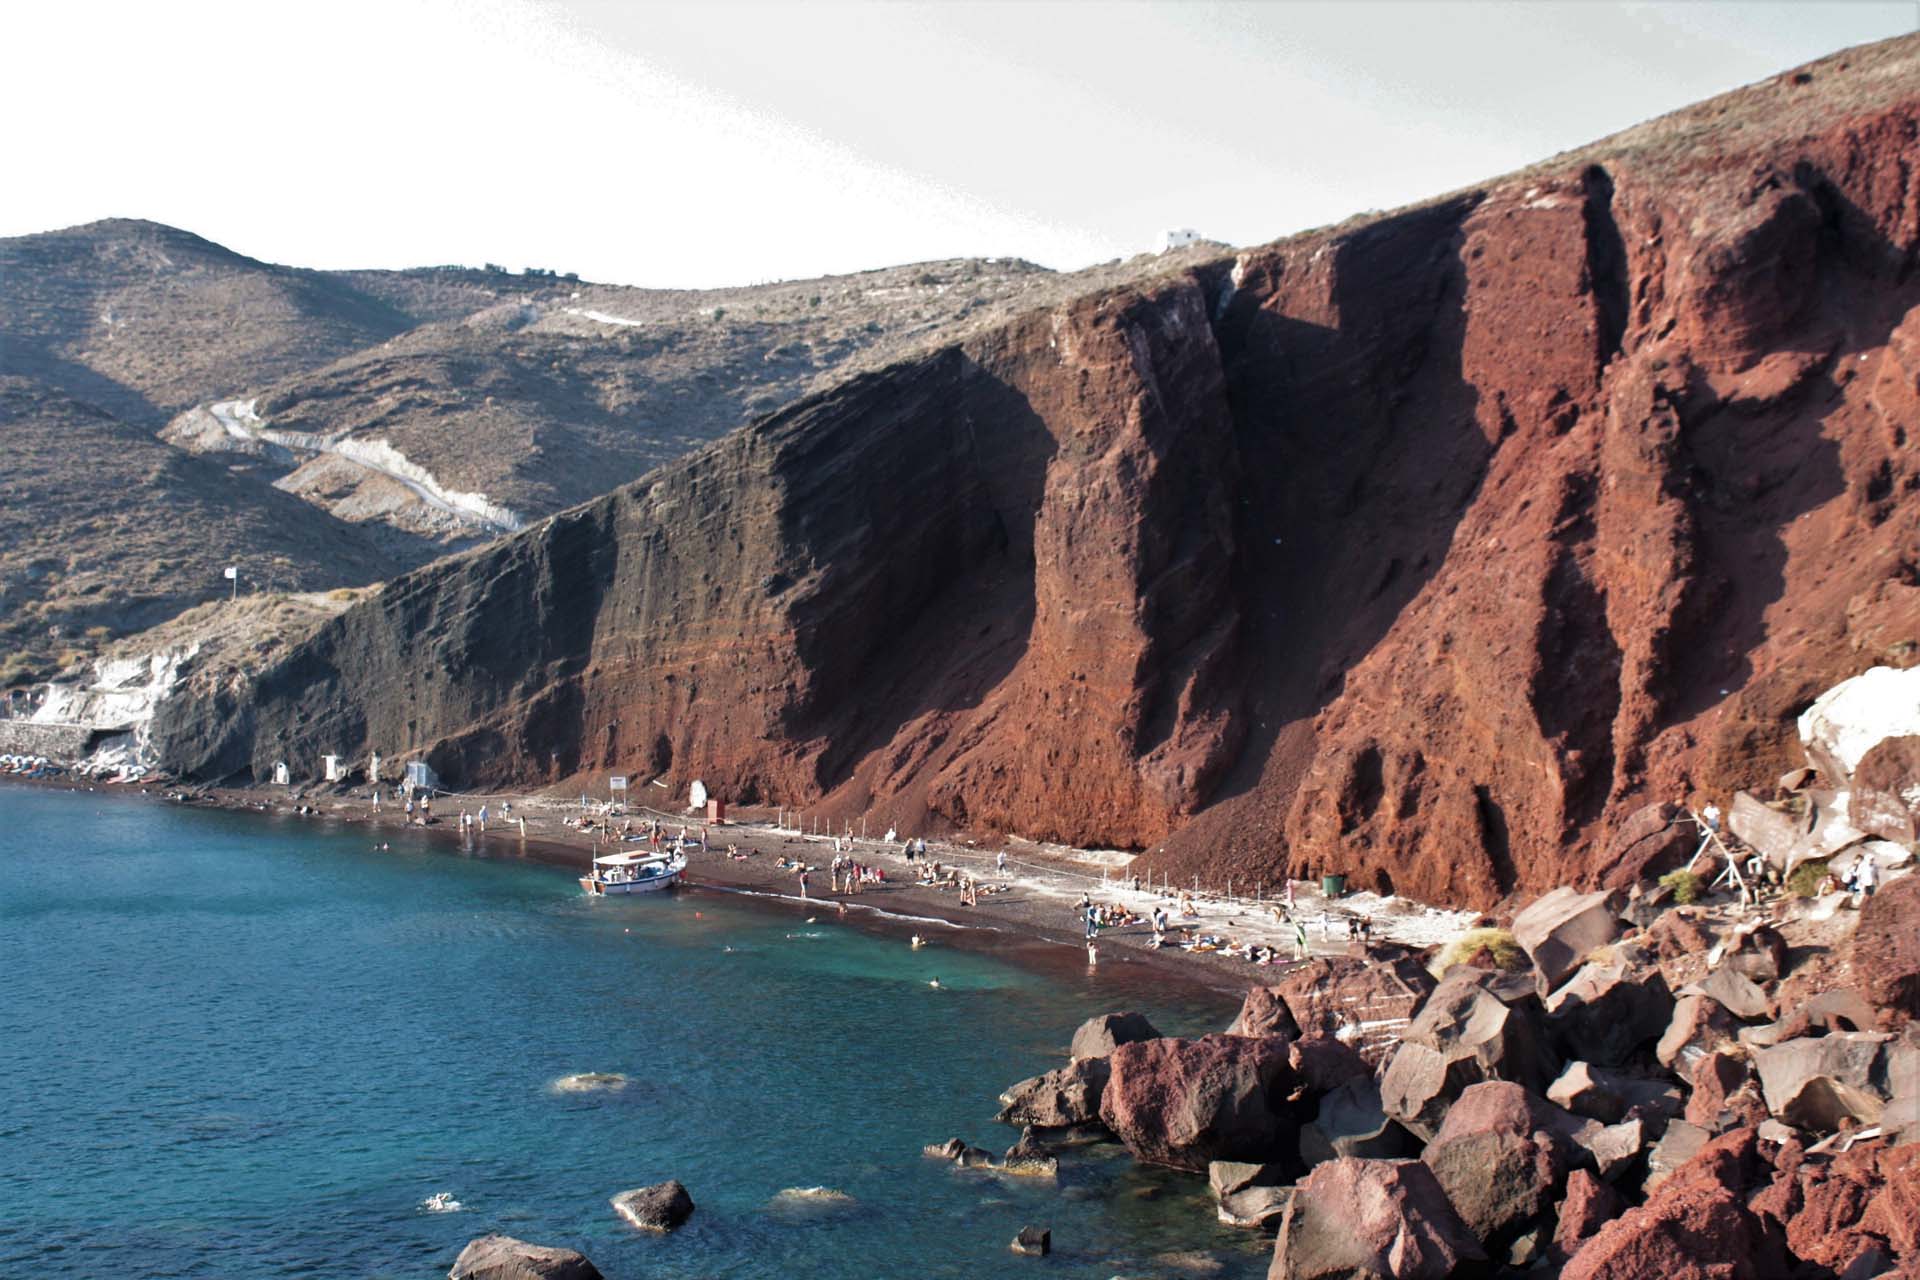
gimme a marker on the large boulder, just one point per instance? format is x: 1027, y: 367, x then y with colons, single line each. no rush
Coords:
x: 1675, y: 1150
x: 498, y: 1257
x: 1065, y: 1096
x: 662, y: 1207
x: 1736, y: 992
x: 1559, y: 930
x: 1775, y: 833
x: 1700, y: 1025
x: 1697, y: 1226
x: 1850, y: 720
x: 1350, y: 1122
x: 1373, y: 1220
x: 1249, y: 1195
x: 1837, y: 1213
x: 1187, y: 1103
x: 1654, y: 840
x: 1886, y: 949
x: 1589, y: 1205
x: 1264, y: 1012
x: 1463, y: 1035
x: 1825, y: 1082
x: 1502, y: 1156
x: 1365, y: 1002
x: 1098, y: 1037
x: 1323, y: 1063
x: 1606, y: 1013
x: 1725, y: 1094
x: 1885, y: 795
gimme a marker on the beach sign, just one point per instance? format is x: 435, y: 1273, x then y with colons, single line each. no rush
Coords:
x: 618, y: 782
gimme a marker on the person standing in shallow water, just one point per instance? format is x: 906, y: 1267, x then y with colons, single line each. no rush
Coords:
x: 803, y: 883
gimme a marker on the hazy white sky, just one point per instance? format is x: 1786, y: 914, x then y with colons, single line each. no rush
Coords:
x: 722, y: 143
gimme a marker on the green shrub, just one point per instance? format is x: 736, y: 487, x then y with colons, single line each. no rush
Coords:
x: 1687, y: 886
x: 1499, y: 943
x: 1806, y: 878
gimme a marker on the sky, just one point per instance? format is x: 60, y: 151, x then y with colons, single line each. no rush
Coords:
x: 730, y: 143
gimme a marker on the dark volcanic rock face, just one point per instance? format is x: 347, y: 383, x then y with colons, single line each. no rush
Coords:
x: 1431, y: 550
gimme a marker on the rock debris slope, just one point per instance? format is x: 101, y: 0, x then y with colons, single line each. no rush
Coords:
x: 1429, y: 548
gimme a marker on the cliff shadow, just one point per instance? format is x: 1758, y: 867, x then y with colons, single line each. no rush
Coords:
x: 928, y: 599
x: 1361, y: 452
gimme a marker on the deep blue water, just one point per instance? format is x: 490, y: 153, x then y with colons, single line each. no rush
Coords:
x: 241, y: 1046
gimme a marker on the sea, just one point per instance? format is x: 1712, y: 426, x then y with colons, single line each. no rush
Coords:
x: 242, y: 1045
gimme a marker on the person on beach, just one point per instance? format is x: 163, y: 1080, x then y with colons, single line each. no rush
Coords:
x: 1300, y: 939
x: 803, y: 882
x: 1093, y: 956
x: 1289, y: 893
x: 1000, y: 863
x: 376, y: 799
x: 483, y: 819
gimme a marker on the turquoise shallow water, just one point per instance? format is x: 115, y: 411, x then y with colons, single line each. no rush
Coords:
x: 241, y: 1046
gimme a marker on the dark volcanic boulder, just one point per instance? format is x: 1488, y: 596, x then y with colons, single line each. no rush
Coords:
x: 504, y: 1258
x: 1065, y: 1096
x: 1097, y: 1037
x: 1502, y: 1156
x: 1351, y: 1123
x: 1607, y: 1013
x: 1463, y: 1036
x: 662, y: 1207
x: 1373, y: 1220
x: 1365, y: 1002
x: 1886, y: 949
x: 1558, y: 930
x: 1700, y: 1025
x: 1187, y: 1103
x: 1695, y: 1227
x: 1249, y: 1195
x: 1823, y: 1083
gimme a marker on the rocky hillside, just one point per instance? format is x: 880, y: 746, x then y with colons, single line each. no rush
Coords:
x: 144, y: 320
x: 104, y: 530
x: 414, y: 412
x: 1429, y: 548
x: 536, y: 404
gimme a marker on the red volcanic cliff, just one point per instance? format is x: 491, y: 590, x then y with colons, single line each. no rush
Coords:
x: 1429, y: 549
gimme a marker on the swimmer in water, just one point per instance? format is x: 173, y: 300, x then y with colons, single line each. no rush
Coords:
x: 918, y: 942
x: 935, y: 984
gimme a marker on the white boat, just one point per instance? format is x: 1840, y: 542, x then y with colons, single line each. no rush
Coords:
x: 633, y: 873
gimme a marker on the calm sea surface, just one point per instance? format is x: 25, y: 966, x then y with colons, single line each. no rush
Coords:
x: 242, y: 1046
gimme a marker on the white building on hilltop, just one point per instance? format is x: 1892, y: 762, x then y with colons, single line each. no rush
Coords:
x: 1177, y: 238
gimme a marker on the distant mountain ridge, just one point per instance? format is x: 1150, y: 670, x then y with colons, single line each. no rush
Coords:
x: 415, y: 411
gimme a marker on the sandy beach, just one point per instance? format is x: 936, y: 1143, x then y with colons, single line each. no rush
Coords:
x: 1035, y: 901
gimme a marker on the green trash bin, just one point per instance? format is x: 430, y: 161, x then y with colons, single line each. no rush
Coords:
x: 1334, y: 886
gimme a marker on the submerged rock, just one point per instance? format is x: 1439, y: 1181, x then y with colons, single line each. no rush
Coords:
x: 498, y: 1257
x: 1033, y: 1242
x: 590, y: 1082
x: 662, y: 1207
